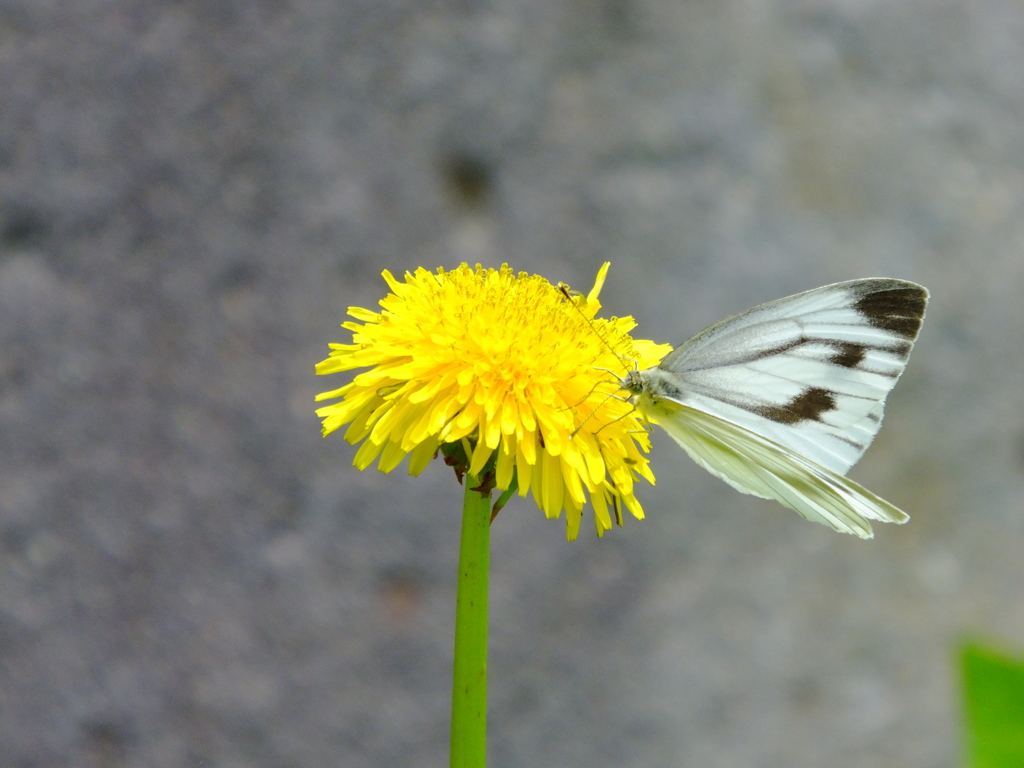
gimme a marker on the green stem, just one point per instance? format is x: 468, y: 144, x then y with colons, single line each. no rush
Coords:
x: 469, y: 678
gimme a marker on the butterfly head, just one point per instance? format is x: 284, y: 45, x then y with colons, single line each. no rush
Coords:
x: 633, y: 383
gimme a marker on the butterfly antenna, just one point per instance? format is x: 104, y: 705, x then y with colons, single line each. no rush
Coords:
x: 568, y: 294
x: 569, y: 297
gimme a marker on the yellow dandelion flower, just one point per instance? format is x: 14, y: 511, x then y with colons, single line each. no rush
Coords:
x: 508, y: 368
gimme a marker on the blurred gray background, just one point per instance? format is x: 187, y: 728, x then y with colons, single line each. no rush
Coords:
x: 192, y: 192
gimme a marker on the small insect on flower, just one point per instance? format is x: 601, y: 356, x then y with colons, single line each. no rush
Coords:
x: 505, y: 374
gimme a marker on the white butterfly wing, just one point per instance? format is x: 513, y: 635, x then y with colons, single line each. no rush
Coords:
x: 809, y: 372
x: 754, y: 464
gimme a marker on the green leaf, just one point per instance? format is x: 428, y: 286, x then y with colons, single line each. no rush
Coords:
x: 993, y: 708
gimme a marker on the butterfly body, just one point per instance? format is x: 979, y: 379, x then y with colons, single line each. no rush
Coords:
x: 781, y: 400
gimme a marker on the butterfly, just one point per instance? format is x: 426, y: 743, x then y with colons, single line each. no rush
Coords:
x: 781, y: 400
